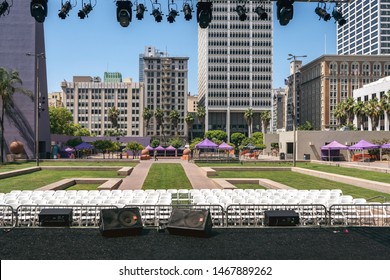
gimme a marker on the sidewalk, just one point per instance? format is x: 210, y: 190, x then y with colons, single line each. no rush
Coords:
x: 197, y: 178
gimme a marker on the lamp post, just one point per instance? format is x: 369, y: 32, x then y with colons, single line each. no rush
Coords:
x: 293, y: 109
x: 37, y: 100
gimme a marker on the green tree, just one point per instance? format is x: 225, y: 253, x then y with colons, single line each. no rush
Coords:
x: 374, y: 111
x: 360, y: 113
x: 340, y: 114
x: 10, y: 83
x: 349, y: 105
x: 147, y: 114
x: 159, y: 116
x: 216, y: 136
x: 306, y: 126
x: 265, y: 118
x: 103, y: 145
x: 61, y: 121
x: 176, y: 142
x: 73, y: 142
x: 248, y: 115
x: 135, y: 147
x: 113, y: 116
x: 237, y: 138
x: 80, y: 131
x: 201, y: 114
x: 155, y: 143
x: 189, y: 119
x: 174, y: 117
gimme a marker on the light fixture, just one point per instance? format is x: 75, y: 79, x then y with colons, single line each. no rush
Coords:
x: 336, y: 14
x: 187, y: 9
x: 322, y: 13
x: 204, y: 13
x: 172, y: 12
x: 38, y: 9
x: 241, y: 12
x: 140, y: 9
x: 87, y: 8
x: 157, y: 12
x: 123, y: 12
x: 285, y: 11
x: 260, y: 11
x: 4, y: 7
x: 65, y: 8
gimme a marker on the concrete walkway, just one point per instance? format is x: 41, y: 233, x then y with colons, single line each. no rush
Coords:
x: 195, y: 175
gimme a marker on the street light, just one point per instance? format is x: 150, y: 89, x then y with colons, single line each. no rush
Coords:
x: 37, y: 107
x: 293, y: 109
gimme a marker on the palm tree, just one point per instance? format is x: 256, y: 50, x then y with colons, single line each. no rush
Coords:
x: 349, y: 104
x: 190, y: 121
x: 374, y: 111
x: 147, y: 115
x: 113, y: 115
x: 248, y: 115
x: 358, y: 110
x: 159, y: 116
x: 9, y: 84
x: 339, y: 113
x: 174, y: 117
x: 385, y: 104
x: 265, y: 118
x: 201, y: 114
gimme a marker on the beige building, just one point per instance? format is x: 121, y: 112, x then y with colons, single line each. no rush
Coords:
x: 89, y: 100
x: 330, y: 79
x: 192, y: 103
x: 55, y: 99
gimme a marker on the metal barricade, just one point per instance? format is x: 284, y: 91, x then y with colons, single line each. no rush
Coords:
x: 7, y: 216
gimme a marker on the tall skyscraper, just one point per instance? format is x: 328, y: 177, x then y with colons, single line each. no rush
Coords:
x: 149, y: 52
x: 235, y: 66
x: 367, y: 30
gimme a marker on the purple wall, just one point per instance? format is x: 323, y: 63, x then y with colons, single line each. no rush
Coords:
x: 20, y: 34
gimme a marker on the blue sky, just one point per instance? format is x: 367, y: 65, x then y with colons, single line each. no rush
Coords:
x: 98, y: 43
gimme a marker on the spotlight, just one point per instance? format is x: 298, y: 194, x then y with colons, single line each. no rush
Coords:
x: 140, y: 9
x: 339, y: 17
x: 65, y: 8
x: 241, y: 12
x: 260, y: 11
x: 172, y: 15
x: 204, y: 13
x: 285, y: 11
x: 38, y: 9
x: 157, y: 15
x: 87, y: 8
x: 4, y: 7
x: 187, y: 11
x: 123, y: 12
x: 322, y: 13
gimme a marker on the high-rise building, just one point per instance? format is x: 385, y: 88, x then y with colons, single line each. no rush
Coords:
x: 367, y: 28
x: 89, y: 100
x: 149, y: 52
x: 166, y: 88
x: 235, y: 66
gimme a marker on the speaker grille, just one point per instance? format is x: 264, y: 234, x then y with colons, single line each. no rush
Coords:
x: 190, y: 222
x: 120, y: 222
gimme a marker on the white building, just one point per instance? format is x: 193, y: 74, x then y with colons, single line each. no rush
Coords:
x: 367, y: 30
x: 377, y: 89
x: 235, y: 66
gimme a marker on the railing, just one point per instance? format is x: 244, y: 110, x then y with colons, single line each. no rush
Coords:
x: 233, y: 215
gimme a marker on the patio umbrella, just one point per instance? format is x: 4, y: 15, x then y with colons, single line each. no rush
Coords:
x: 333, y: 146
x: 364, y: 145
x: 84, y: 146
x: 225, y: 146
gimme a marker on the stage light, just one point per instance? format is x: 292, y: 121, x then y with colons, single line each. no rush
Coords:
x: 285, y: 11
x: 87, y: 8
x: 172, y: 15
x: 4, y: 7
x: 157, y: 15
x: 140, y: 9
x: 322, y: 13
x: 338, y: 17
x: 187, y: 9
x: 123, y: 12
x: 65, y: 8
x: 38, y: 9
x: 204, y: 13
x: 260, y: 11
x: 241, y: 12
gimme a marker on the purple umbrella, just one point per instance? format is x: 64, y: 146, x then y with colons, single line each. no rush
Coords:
x: 225, y: 146
x: 206, y: 144
x: 386, y: 146
x: 149, y: 148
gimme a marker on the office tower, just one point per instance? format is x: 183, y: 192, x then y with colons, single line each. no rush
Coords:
x: 235, y: 66
x: 89, y: 100
x: 367, y: 30
x: 22, y: 48
x: 149, y: 52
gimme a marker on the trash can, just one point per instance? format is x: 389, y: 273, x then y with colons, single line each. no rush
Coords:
x: 306, y: 156
x: 282, y: 156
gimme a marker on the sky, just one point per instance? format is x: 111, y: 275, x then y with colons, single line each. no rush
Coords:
x: 98, y: 44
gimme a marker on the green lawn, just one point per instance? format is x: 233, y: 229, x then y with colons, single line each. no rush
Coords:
x: 84, y: 187
x: 167, y: 176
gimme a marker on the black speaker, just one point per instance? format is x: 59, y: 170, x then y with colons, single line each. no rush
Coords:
x: 281, y: 218
x: 55, y: 217
x: 190, y: 222
x: 120, y: 222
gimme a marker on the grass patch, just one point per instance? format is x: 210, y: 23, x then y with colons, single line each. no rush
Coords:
x: 167, y: 176
x: 42, y: 178
x: 248, y: 186
x: 303, y: 182
x: 83, y: 187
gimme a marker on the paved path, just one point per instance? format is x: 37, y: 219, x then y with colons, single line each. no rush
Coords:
x: 196, y: 176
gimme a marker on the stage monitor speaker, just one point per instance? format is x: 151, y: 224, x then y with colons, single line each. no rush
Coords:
x: 55, y: 217
x: 281, y: 218
x: 120, y: 222
x: 190, y: 222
